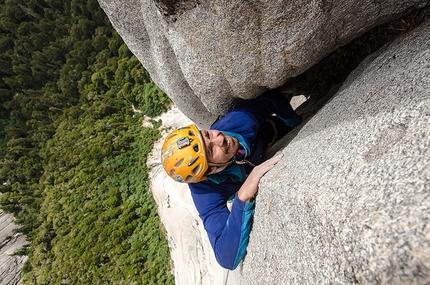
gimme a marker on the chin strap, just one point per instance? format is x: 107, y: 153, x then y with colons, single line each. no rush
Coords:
x: 244, y: 161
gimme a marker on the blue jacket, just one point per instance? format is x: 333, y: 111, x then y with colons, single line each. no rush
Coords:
x: 229, y: 231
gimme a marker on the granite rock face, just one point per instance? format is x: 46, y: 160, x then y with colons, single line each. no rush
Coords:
x: 10, y: 264
x: 206, y: 54
x: 350, y: 200
x: 349, y: 203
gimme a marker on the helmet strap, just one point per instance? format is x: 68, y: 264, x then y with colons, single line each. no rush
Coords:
x: 221, y: 166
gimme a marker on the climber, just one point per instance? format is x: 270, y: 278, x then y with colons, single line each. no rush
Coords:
x: 224, y: 163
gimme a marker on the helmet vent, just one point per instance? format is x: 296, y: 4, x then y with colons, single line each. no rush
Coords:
x: 192, y: 161
x: 171, y: 172
x: 179, y: 162
x: 196, y: 147
x: 196, y: 169
x: 191, y: 133
x: 189, y: 178
x: 178, y: 178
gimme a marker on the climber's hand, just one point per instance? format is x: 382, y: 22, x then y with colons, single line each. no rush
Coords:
x: 250, y: 187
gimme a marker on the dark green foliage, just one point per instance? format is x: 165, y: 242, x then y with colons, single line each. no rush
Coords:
x: 73, y: 153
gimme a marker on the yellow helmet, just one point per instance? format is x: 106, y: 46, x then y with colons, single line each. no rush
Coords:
x: 183, y: 155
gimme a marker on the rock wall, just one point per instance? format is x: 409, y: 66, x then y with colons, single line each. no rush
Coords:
x: 10, y: 265
x: 348, y: 204
x: 350, y: 200
x: 206, y: 54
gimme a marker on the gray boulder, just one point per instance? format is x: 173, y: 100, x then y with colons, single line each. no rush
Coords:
x: 207, y: 54
x: 10, y: 242
x: 350, y: 200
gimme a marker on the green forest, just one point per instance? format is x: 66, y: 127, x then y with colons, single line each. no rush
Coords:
x: 73, y: 149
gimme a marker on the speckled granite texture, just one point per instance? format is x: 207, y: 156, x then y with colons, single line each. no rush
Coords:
x: 350, y: 201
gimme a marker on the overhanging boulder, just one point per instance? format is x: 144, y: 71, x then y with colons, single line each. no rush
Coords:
x: 205, y: 54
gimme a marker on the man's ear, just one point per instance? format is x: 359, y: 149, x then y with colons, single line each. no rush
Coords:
x: 211, y: 170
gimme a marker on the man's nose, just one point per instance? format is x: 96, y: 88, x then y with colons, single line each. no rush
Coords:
x: 218, y: 140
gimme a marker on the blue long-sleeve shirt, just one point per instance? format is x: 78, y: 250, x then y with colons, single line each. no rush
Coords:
x: 229, y: 231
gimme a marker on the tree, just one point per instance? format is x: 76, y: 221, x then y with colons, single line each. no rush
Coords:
x: 73, y: 165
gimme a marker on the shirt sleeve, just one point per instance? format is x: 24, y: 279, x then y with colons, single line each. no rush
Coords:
x: 228, y: 232
x: 272, y: 102
x: 247, y: 119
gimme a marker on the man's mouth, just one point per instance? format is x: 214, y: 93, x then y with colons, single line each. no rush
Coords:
x: 230, y: 143
x: 227, y: 143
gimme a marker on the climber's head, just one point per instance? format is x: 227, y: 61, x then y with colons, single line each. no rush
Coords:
x: 189, y: 155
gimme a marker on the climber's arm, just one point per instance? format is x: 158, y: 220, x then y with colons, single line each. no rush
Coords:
x: 229, y: 231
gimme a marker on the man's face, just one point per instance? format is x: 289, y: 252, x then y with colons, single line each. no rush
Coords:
x: 219, y: 147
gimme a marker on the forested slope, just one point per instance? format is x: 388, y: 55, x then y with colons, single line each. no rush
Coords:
x: 73, y: 151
